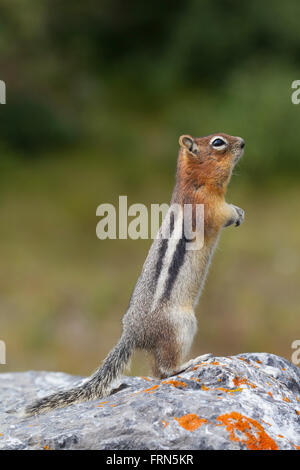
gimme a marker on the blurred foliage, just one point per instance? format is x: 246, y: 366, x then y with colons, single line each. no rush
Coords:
x: 92, y: 70
x: 97, y: 96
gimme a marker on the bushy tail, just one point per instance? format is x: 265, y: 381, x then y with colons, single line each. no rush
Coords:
x: 99, y: 384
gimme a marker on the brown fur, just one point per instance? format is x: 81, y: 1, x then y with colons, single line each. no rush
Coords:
x: 165, y: 326
x: 203, y: 178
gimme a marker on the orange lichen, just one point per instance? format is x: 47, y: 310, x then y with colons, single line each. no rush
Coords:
x: 270, y: 393
x: 229, y: 390
x: 266, y: 422
x: 190, y: 422
x: 151, y: 390
x: 280, y: 435
x: 146, y: 378
x: 102, y: 403
x: 205, y: 389
x: 253, y: 434
x: 198, y: 365
x: 286, y: 399
x: 243, y: 359
x: 297, y: 413
x: 258, y: 362
x: 175, y: 383
x: 215, y: 363
x: 47, y: 448
x: 239, y: 381
x: 165, y: 424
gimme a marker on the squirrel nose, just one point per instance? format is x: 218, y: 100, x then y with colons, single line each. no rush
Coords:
x: 242, y: 143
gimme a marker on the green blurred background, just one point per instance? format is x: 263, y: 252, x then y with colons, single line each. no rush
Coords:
x: 97, y: 96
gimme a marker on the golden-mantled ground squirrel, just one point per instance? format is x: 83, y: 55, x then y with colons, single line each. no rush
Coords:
x: 160, y: 318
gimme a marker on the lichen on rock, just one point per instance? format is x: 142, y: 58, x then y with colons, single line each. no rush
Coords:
x: 250, y: 401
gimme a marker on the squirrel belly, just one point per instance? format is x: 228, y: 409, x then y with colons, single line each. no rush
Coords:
x: 160, y: 317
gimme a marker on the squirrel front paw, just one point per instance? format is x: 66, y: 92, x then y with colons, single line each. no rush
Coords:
x: 240, y: 215
x: 236, y: 216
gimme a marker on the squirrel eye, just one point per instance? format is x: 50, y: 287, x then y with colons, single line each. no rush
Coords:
x: 218, y: 142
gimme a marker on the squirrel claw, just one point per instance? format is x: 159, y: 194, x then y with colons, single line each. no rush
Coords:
x: 240, y: 216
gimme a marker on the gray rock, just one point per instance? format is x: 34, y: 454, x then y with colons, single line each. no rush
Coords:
x: 250, y: 401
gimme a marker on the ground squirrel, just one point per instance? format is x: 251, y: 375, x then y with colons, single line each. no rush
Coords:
x: 160, y: 318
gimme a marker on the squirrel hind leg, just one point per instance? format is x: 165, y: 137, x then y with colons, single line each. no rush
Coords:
x: 189, y: 365
x: 172, y: 347
x: 165, y: 360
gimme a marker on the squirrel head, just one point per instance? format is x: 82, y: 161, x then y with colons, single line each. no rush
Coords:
x: 210, y: 159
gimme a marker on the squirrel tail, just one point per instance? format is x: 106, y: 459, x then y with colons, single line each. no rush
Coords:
x: 97, y: 386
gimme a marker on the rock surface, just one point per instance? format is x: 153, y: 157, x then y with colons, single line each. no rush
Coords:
x: 250, y: 401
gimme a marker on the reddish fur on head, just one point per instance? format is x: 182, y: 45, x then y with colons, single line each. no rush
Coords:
x: 203, y: 172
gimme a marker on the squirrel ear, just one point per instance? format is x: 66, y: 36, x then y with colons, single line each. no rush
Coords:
x: 188, y: 142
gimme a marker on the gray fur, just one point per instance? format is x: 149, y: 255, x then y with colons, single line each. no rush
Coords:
x: 97, y: 386
x: 159, y: 330
x: 160, y: 318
